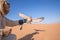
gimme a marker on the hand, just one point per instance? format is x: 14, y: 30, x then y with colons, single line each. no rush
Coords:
x: 7, y: 31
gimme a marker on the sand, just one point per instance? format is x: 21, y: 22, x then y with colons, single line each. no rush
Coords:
x: 36, y: 32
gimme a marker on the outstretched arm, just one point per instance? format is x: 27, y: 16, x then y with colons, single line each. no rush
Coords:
x: 11, y: 23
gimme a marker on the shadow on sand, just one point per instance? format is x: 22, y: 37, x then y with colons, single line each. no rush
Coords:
x: 29, y: 36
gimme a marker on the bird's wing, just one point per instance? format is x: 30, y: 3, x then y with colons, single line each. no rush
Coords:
x: 38, y: 19
x: 23, y: 16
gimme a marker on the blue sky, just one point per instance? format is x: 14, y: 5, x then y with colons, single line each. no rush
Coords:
x: 50, y: 9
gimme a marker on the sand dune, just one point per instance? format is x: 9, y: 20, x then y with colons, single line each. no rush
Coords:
x: 36, y: 32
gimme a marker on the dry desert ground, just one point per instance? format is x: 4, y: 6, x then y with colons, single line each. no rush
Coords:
x: 35, y: 32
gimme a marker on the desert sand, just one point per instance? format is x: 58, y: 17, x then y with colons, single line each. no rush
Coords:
x: 36, y: 32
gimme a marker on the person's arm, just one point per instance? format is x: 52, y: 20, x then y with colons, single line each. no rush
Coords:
x: 11, y: 23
